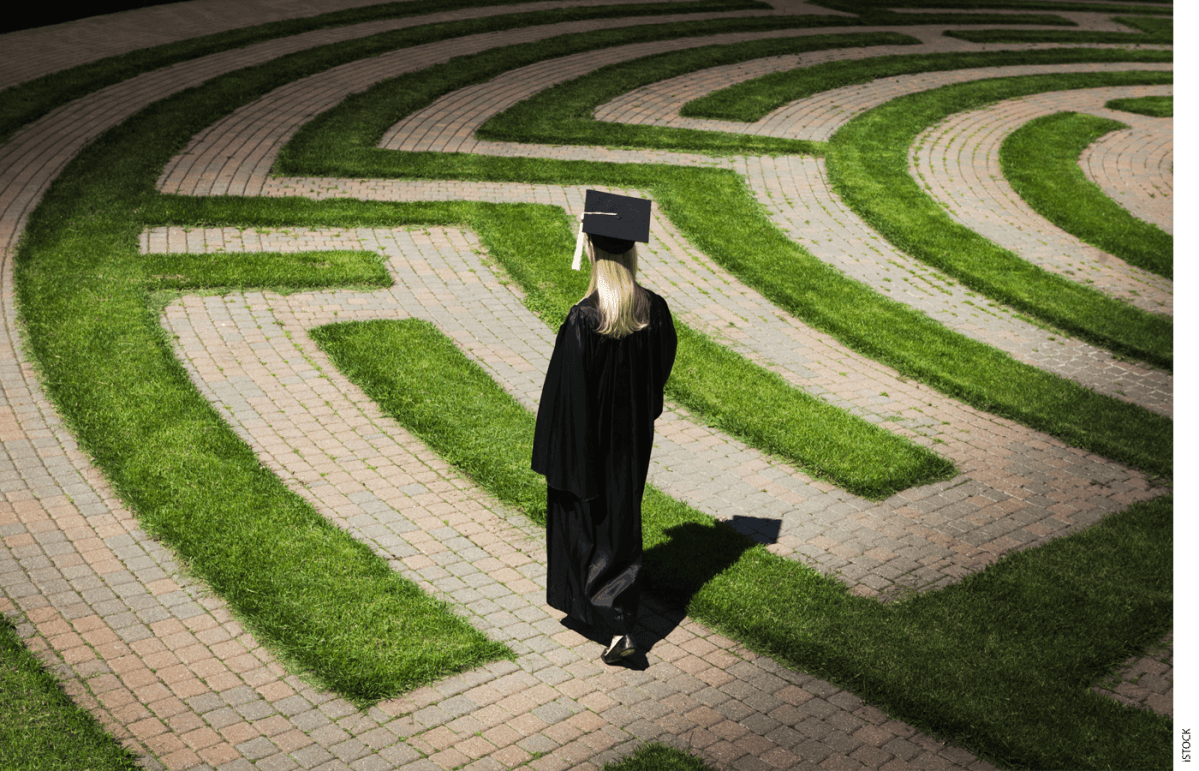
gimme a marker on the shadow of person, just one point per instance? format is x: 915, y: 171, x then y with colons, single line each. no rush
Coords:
x: 674, y: 570
x: 678, y: 567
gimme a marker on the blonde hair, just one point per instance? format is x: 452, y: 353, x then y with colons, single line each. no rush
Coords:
x: 623, y: 305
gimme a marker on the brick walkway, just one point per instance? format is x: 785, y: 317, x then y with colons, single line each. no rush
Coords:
x: 164, y: 665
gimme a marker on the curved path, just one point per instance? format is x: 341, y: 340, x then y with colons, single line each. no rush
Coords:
x: 794, y: 190
x: 1135, y: 167
x: 236, y: 154
x: 958, y: 160
x: 164, y: 665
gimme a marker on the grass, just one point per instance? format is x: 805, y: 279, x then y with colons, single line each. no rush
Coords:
x: 999, y: 663
x: 1153, y: 31
x: 92, y: 325
x: 736, y: 234
x: 290, y: 270
x: 868, y: 167
x: 878, y: 8
x: 751, y: 100
x: 1153, y: 106
x: 1040, y: 160
x: 41, y: 729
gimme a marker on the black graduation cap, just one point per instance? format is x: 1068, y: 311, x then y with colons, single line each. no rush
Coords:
x: 614, y: 222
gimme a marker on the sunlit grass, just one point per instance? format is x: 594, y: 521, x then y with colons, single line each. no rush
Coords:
x: 1040, y: 160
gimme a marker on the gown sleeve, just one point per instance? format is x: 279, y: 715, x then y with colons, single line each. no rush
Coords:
x: 563, y: 445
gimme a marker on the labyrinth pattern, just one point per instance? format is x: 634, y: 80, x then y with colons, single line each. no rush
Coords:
x: 159, y: 658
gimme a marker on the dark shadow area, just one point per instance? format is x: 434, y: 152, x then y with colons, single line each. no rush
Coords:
x: 691, y: 556
x: 677, y: 569
x: 673, y: 572
x: 56, y: 13
x: 762, y: 530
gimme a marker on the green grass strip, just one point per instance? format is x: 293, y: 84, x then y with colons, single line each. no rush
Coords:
x: 736, y: 233
x: 878, y: 12
x: 867, y: 164
x: 1000, y: 663
x: 1153, y: 106
x: 28, y: 101
x: 752, y: 100
x: 41, y: 729
x: 720, y: 386
x: 564, y: 114
x: 1155, y: 32
x: 295, y: 271
x: 1040, y: 160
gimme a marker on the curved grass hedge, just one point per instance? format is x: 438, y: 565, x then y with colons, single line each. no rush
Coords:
x: 1153, y: 106
x: 1153, y: 31
x: 1040, y: 160
x: 867, y: 164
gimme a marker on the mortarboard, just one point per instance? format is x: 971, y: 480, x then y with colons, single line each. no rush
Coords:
x: 613, y: 221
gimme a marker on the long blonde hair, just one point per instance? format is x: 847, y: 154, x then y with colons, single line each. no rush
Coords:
x: 623, y: 305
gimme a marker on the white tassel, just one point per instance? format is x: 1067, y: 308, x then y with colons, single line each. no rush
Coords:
x: 578, y: 260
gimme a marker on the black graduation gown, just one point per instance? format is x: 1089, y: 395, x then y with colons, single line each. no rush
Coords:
x: 595, y: 430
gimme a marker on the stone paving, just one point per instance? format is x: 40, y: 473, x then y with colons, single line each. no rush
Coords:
x: 1136, y: 168
x: 235, y: 156
x: 168, y: 670
x: 958, y: 160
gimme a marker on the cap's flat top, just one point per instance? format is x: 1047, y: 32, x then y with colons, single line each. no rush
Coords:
x: 631, y: 222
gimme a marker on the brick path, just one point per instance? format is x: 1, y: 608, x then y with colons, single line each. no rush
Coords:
x: 236, y: 154
x: 164, y: 665
x: 1136, y: 167
x: 958, y: 160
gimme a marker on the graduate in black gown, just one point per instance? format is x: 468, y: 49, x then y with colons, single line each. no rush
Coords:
x: 595, y: 426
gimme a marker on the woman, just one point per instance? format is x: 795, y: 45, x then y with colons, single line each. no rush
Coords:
x: 595, y: 427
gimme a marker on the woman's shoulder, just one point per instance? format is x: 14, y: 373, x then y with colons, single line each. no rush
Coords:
x: 656, y: 301
x: 585, y: 312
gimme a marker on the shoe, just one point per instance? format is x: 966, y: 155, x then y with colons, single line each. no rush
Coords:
x: 620, y: 649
